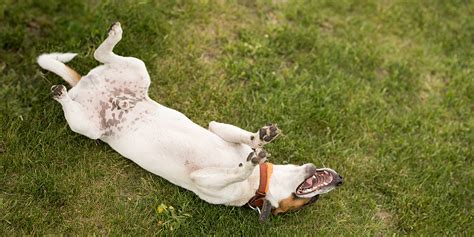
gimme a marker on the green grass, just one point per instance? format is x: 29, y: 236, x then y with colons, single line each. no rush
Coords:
x: 381, y: 91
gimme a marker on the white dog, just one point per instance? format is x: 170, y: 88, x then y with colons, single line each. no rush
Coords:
x: 111, y: 103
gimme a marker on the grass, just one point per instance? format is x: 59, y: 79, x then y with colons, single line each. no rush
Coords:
x: 381, y: 91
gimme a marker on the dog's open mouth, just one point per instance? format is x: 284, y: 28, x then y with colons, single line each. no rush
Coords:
x: 319, y: 180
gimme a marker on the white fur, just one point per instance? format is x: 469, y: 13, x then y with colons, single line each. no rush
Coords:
x: 55, y: 62
x: 111, y: 103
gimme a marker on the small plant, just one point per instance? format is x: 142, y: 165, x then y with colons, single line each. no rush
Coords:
x: 169, y: 218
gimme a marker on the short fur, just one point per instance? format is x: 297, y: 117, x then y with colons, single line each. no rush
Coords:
x: 111, y: 103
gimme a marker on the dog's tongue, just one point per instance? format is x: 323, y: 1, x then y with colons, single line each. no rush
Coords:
x: 308, y: 183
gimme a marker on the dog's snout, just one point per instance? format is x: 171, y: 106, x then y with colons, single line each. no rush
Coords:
x: 340, y: 180
x: 310, y: 169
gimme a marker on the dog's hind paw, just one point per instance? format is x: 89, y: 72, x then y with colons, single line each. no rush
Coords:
x: 115, y: 30
x: 58, y: 91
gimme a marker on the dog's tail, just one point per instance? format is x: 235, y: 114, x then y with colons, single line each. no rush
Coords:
x: 54, y: 62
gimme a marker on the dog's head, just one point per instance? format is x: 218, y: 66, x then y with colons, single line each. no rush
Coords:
x: 292, y: 187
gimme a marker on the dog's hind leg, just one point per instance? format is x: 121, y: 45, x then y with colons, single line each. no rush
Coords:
x: 76, y: 118
x: 104, y: 53
x: 235, y: 134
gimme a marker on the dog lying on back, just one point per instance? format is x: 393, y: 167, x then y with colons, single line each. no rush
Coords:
x: 219, y: 164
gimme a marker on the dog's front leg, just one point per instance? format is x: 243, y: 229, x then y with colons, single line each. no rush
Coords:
x: 219, y: 177
x: 235, y: 134
x: 75, y: 116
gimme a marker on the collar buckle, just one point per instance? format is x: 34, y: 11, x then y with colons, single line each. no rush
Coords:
x: 257, y: 209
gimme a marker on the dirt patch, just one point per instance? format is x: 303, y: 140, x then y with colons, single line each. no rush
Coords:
x: 384, y: 216
x: 432, y: 85
x: 381, y: 74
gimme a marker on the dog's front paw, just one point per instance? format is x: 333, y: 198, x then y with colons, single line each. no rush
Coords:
x: 115, y: 30
x: 258, y: 156
x: 268, y: 133
x: 58, y: 91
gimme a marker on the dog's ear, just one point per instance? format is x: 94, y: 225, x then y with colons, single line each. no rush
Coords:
x: 266, y: 210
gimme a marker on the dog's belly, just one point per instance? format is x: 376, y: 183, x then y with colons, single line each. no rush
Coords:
x: 166, y: 143
x: 159, y: 139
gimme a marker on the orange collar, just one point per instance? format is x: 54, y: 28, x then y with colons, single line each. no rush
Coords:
x: 266, y: 170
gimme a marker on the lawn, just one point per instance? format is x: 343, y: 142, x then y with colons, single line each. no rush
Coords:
x: 380, y: 91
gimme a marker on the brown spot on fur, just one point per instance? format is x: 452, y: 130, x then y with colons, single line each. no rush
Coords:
x: 289, y: 204
x: 103, y: 107
x: 116, y: 92
x: 128, y: 91
x: 114, y: 105
x: 73, y: 74
x: 112, y: 122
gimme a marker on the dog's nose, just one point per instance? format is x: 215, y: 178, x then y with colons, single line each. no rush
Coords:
x: 340, y: 180
x: 310, y: 169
